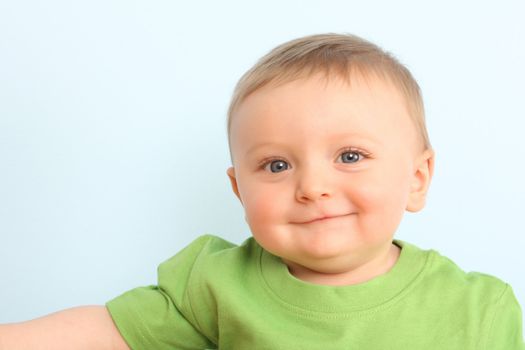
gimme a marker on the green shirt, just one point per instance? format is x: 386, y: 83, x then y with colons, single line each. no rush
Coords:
x: 214, y: 294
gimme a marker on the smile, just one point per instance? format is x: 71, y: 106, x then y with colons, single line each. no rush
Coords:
x: 324, y: 218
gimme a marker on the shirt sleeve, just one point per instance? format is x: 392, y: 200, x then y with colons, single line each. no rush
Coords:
x: 154, y: 318
x: 506, y: 330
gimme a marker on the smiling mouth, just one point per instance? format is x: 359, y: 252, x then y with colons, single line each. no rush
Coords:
x: 324, y: 218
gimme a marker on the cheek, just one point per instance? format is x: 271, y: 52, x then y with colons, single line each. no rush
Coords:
x: 263, y: 205
x: 380, y: 190
x: 381, y: 201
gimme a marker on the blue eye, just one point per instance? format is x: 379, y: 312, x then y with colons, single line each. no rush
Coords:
x: 350, y: 157
x: 277, y: 166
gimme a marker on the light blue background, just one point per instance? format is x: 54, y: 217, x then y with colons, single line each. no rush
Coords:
x: 113, y: 146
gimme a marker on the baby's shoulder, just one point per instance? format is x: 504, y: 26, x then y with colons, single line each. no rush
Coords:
x: 445, y: 277
x: 474, y: 304
x: 209, y: 256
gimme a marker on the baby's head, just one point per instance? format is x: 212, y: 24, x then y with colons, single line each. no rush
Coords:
x: 329, y: 148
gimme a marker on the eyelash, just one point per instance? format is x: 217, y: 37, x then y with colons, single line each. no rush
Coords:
x: 263, y: 163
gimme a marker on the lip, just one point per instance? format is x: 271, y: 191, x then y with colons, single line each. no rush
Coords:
x: 324, y: 218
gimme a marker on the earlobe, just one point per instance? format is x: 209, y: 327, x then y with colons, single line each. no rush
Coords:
x: 231, y: 175
x: 421, y: 181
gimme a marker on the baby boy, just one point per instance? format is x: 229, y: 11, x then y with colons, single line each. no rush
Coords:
x: 329, y: 148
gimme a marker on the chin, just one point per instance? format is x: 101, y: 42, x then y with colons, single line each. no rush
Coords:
x: 325, y: 249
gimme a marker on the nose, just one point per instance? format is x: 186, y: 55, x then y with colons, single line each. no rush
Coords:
x: 312, y: 185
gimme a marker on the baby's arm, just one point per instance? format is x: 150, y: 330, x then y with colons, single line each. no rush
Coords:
x: 88, y: 327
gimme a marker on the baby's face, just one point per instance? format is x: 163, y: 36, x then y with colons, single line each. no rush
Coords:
x: 325, y: 170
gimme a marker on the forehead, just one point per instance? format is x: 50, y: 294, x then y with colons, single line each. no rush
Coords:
x: 321, y: 109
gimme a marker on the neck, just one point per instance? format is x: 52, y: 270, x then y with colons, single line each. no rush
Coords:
x: 377, y: 266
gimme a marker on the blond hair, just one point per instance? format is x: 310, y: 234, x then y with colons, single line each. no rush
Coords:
x: 341, y: 55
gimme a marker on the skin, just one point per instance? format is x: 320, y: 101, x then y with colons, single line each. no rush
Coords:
x: 87, y: 327
x: 325, y: 170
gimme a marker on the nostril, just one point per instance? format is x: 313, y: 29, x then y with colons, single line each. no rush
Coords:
x: 312, y: 195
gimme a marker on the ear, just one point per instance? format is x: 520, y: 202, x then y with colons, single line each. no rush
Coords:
x: 421, y: 181
x: 233, y: 180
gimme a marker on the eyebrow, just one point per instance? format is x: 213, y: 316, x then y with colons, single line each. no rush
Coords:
x: 340, y: 136
x: 261, y: 145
